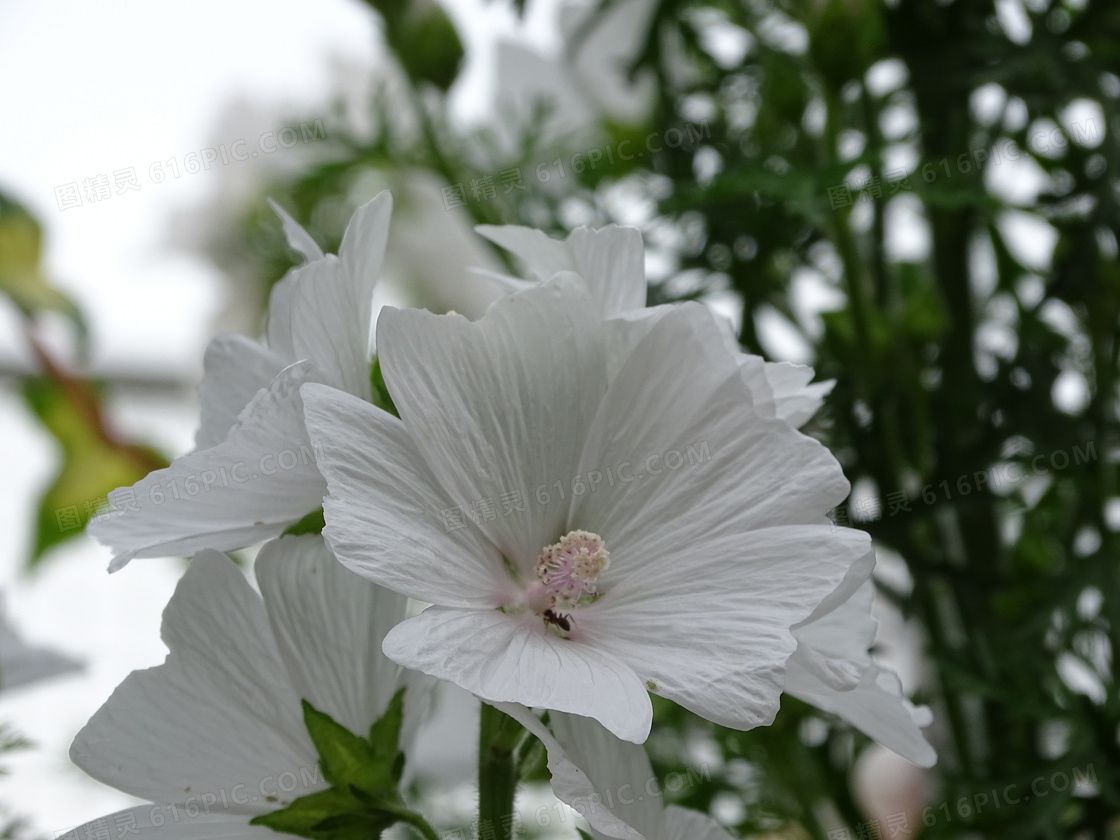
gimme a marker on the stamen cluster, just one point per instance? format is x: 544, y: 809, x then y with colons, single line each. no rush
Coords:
x: 569, y: 569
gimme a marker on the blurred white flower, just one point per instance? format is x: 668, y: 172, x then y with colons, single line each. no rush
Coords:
x: 596, y: 508
x: 22, y: 664
x: 625, y: 784
x: 252, y: 473
x: 585, y: 84
x: 833, y: 670
x: 216, y: 734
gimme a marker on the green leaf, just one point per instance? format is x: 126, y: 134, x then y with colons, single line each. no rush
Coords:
x: 364, y: 775
x: 350, y: 761
x: 93, y: 464
x: 327, y: 815
x: 313, y: 523
x: 385, y: 734
x: 347, y: 759
x: 21, y: 244
x: 381, y: 397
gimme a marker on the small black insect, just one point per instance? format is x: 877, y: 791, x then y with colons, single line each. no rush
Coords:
x: 561, y: 621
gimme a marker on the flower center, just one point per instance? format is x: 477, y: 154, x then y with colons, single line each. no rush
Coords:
x: 567, y: 570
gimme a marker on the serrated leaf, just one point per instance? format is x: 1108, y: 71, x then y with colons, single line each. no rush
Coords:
x: 346, y: 758
x: 327, y: 815
x: 349, y: 761
x: 385, y: 734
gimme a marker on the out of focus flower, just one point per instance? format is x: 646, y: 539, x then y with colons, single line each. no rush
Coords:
x: 833, y: 670
x: 625, y: 784
x: 23, y: 664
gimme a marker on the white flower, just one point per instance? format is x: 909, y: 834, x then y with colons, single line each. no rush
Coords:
x: 624, y: 785
x: 833, y: 670
x: 22, y: 664
x: 638, y: 524
x: 216, y: 733
x: 611, y: 261
x: 253, y: 471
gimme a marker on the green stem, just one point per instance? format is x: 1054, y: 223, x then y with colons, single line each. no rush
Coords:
x: 498, y: 735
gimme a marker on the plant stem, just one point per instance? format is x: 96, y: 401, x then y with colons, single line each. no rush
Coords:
x: 498, y: 735
x: 417, y: 822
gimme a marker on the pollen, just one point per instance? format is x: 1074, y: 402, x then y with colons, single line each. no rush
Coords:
x: 569, y: 569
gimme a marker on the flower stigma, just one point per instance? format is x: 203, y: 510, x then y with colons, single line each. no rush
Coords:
x: 567, y: 572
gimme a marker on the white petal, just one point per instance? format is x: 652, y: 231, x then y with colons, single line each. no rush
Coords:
x: 327, y: 326
x: 299, y: 239
x: 876, y: 707
x: 795, y: 399
x: 678, y: 454
x: 21, y: 664
x: 280, y: 318
x: 833, y: 669
x: 610, y: 260
x: 500, y: 405
x: 507, y: 284
x: 206, y: 820
x: 363, y: 250
x: 542, y: 255
x: 686, y: 824
x: 510, y: 659
x: 622, y: 776
x: 834, y: 647
x: 711, y: 629
x: 332, y: 300
x: 387, y: 517
x: 235, y: 369
x: 570, y: 783
x: 329, y: 624
x: 219, y: 715
x: 252, y: 486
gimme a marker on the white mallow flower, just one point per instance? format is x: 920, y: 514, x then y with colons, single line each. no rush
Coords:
x: 252, y: 473
x: 620, y: 787
x: 833, y: 670
x: 611, y: 260
x: 831, y: 667
x: 216, y: 734
x: 595, y: 508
